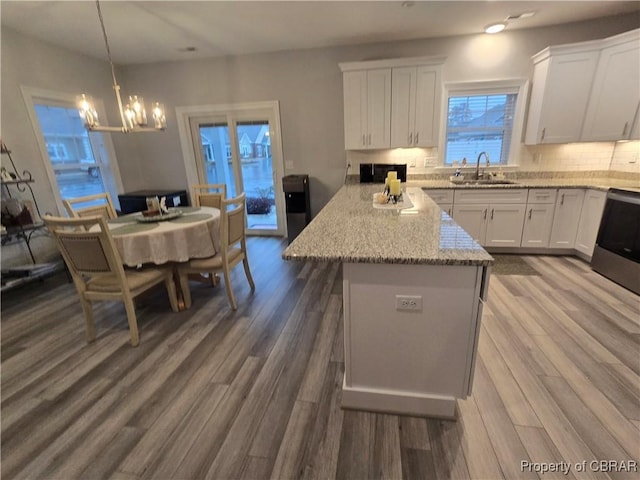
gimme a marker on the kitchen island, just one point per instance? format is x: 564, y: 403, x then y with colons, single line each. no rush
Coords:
x: 413, y: 286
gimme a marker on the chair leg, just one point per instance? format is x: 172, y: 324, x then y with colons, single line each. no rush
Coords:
x: 171, y: 290
x: 184, y: 286
x: 131, y: 318
x: 90, y: 325
x: 227, y: 284
x: 247, y: 272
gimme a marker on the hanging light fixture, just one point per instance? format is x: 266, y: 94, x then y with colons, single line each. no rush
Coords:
x: 133, y: 115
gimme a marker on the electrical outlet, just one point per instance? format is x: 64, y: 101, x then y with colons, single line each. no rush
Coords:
x: 412, y: 162
x: 409, y: 302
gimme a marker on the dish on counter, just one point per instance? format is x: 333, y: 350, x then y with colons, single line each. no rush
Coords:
x: 173, y: 213
x: 402, y: 204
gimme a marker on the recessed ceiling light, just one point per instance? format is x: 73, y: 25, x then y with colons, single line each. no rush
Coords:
x: 495, y: 27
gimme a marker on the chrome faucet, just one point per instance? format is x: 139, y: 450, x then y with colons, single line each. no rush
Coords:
x: 477, y: 177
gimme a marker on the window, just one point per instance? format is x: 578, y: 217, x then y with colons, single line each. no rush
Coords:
x: 77, y: 162
x: 483, y: 117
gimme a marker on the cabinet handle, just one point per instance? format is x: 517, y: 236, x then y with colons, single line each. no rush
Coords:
x: 544, y: 130
x: 450, y: 212
x: 485, y: 213
x: 492, y: 214
x: 411, y: 139
x: 417, y: 133
x: 530, y: 213
x: 624, y: 130
x: 562, y: 200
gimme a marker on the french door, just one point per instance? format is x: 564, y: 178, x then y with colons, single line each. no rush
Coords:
x: 236, y: 148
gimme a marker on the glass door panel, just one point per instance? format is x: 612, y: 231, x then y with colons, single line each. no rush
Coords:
x: 254, y: 148
x: 217, y: 157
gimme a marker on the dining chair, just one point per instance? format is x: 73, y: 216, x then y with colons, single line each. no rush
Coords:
x: 209, y: 194
x: 233, y: 250
x: 104, y: 209
x: 97, y: 271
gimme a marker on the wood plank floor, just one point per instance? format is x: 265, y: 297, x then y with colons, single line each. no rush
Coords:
x: 255, y: 393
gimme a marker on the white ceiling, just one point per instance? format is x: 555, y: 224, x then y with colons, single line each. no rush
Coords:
x: 152, y: 31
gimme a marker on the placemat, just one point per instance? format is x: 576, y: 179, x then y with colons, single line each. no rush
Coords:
x: 195, y: 217
x: 134, y: 228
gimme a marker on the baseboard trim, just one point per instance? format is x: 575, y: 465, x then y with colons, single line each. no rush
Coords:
x: 398, y: 402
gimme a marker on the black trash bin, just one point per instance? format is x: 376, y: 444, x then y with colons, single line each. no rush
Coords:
x: 296, y: 195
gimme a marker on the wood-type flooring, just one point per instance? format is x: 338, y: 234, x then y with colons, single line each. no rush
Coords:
x: 254, y: 394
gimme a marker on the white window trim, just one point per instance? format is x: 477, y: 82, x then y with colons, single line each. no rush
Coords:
x: 487, y: 87
x: 31, y: 96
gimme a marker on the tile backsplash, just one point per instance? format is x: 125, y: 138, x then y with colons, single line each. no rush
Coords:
x: 603, y: 156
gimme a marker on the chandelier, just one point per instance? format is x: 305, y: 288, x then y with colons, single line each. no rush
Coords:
x: 133, y: 115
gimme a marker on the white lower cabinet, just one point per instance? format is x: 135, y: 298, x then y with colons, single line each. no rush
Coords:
x: 538, y: 218
x: 444, y: 198
x: 537, y: 225
x: 592, y: 209
x: 566, y: 218
x: 496, y: 223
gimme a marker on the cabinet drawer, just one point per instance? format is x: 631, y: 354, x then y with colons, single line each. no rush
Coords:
x: 542, y: 195
x: 444, y: 195
x: 507, y: 195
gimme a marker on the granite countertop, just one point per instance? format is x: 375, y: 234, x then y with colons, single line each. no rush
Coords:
x: 586, y: 182
x: 350, y: 229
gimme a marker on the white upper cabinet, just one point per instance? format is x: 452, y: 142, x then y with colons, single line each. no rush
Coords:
x: 367, y: 104
x: 562, y: 80
x: 616, y: 90
x: 392, y: 103
x: 415, y: 106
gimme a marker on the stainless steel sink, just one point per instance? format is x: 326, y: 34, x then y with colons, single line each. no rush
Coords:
x: 485, y: 182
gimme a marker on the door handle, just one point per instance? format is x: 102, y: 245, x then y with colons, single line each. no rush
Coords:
x: 492, y: 214
x: 485, y: 213
x: 624, y: 130
x: 530, y: 210
x: 411, y: 139
x: 544, y: 130
x: 562, y: 200
x: 417, y: 133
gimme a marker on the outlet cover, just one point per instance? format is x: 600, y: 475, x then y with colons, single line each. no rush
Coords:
x: 411, y: 303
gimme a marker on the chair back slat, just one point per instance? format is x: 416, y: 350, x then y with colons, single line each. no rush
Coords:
x: 209, y: 194
x: 232, y: 220
x: 105, y: 209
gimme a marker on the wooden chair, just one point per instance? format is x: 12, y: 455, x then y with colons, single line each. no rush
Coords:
x: 105, y: 209
x: 233, y: 249
x: 97, y: 271
x: 209, y: 194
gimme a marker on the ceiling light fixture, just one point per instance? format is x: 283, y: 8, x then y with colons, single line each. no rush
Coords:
x: 133, y: 115
x: 495, y: 27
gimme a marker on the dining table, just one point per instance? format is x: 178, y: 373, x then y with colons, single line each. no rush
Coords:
x: 185, y: 233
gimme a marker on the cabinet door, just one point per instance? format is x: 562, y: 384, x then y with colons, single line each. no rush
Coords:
x: 504, y: 225
x: 473, y: 219
x: 559, y: 97
x: 590, y: 216
x: 403, y: 106
x: 616, y: 93
x: 428, y: 91
x: 355, y: 109
x: 379, y: 108
x: 537, y: 225
x: 447, y: 208
x: 566, y: 218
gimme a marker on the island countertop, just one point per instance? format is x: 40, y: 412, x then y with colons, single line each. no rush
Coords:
x: 350, y: 229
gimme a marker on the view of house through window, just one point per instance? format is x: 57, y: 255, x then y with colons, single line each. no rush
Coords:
x: 76, y: 169
x: 251, y: 173
x: 479, y: 123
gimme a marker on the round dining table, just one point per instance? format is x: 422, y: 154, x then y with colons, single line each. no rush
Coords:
x: 189, y: 232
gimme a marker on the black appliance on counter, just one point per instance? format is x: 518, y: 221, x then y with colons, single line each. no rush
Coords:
x: 377, y: 172
x: 617, y: 251
x: 137, y: 201
x: 298, y: 204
